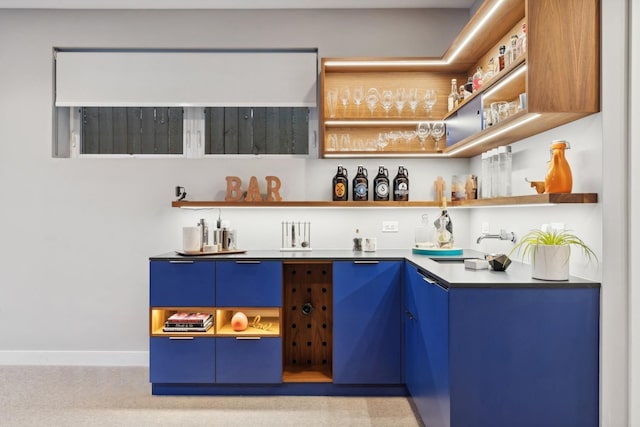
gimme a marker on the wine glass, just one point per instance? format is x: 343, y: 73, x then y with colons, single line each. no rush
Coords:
x: 345, y: 97
x: 345, y: 142
x: 437, y: 131
x: 413, y: 100
x: 423, y: 130
x: 399, y: 100
x: 358, y: 97
x: 332, y: 102
x: 372, y: 99
x: 394, y: 137
x: 333, y: 142
x: 382, y: 141
x: 386, y: 100
x: 408, y: 135
x: 430, y: 98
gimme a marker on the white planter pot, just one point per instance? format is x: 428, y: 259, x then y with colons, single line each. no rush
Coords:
x: 550, y: 262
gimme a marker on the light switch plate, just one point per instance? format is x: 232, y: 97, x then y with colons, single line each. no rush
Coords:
x: 390, y: 226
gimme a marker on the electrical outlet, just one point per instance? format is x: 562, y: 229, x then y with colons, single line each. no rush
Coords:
x: 390, y: 226
x: 485, y: 228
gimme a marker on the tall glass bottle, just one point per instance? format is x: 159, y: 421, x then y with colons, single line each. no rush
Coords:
x: 361, y: 185
x: 401, y: 185
x: 381, y: 185
x: 452, y: 100
x: 340, y: 185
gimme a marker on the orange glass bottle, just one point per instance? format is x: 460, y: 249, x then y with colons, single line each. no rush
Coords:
x: 558, y: 179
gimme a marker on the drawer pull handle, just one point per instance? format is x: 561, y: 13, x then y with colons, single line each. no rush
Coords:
x: 180, y: 262
x: 366, y: 262
x: 248, y: 338
x: 180, y: 338
x: 248, y: 262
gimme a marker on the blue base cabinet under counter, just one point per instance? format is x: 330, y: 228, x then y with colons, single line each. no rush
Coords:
x: 249, y: 283
x: 501, y: 356
x: 367, y: 322
x: 248, y: 360
x: 182, y: 360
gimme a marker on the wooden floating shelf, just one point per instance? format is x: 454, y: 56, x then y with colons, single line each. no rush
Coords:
x: 535, y: 199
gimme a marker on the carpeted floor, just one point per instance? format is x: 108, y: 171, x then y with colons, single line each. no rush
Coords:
x: 104, y: 396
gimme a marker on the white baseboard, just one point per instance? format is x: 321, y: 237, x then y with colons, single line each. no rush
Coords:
x: 75, y: 358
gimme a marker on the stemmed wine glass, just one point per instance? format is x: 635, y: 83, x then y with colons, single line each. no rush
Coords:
x: 382, y: 141
x: 437, y: 131
x: 413, y: 100
x: 345, y: 97
x: 430, y: 98
x: 394, y: 137
x: 358, y: 96
x: 423, y: 130
x: 408, y: 135
x: 399, y: 100
x: 386, y: 100
x: 372, y: 99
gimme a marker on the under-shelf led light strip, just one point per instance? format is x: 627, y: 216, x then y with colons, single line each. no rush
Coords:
x: 421, y: 62
x: 495, y: 134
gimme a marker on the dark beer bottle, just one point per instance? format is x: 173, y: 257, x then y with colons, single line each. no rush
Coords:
x: 401, y: 185
x: 381, y: 185
x: 340, y: 185
x: 361, y: 185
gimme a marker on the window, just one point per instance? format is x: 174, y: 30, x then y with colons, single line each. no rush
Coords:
x: 188, y: 103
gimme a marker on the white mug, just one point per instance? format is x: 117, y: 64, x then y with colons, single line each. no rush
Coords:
x: 191, y: 239
x: 369, y: 244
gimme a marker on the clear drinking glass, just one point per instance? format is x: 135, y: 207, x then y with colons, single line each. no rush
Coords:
x: 382, y: 141
x: 358, y: 97
x: 399, y: 100
x: 345, y: 97
x: 332, y: 102
x: 333, y: 142
x: 413, y: 100
x: 430, y: 99
x: 372, y: 99
x: 422, y: 131
x: 437, y: 131
x: 387, y: 101
x: 345, y: 142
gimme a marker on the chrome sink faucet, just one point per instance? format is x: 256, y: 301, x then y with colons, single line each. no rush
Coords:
x: 503, y: 235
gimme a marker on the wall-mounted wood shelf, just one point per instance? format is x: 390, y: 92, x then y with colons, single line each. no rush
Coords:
x: 535, y: 199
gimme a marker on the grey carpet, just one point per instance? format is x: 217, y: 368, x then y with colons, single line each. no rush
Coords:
x: 121, y: 396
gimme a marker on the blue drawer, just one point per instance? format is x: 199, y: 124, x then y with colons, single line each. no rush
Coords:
x: 245, y: 361
x: 249, y: 284
x: 190, y: 360
x: 182, y: 283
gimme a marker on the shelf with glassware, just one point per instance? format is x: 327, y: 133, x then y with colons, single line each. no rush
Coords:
x: 381, y: 113
x: 215, y: 321
x: 560, y: 81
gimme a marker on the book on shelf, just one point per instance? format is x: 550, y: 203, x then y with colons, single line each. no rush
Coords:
x: 189, y: 318
x: 189, y: 328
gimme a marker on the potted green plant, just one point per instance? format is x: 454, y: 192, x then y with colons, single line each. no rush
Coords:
x: 549, y: 252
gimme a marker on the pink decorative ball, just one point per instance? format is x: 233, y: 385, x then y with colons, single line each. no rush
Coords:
x: 239, y: 321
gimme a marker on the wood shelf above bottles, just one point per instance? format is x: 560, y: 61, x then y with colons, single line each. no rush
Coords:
x: 534, y: 199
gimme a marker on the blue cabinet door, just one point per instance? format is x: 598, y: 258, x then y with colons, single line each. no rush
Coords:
x: 413, y: 346
x: 367, y: 322
x: 182, y: 283
x: 249, y: 283
x: 429, y: 365
x: 190, y: 360
x: 249, y: 360
x: 524, y: 357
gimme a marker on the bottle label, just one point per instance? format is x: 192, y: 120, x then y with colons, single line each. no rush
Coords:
x: 361, y: 190
x: 402, y: 189
x: 382, y: 190
x: 339, y: 189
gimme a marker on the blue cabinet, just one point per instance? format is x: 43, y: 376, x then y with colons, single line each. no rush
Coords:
x: 367, y: 322
x: 182, y: 283
x: 182, y: 360
x: 427, y: 346
x: 249, y: 360
x: 525, y: 357
x: 249, y: 284
x: 499, y: 357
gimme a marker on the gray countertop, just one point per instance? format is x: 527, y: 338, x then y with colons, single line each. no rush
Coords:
x: 451, y: 274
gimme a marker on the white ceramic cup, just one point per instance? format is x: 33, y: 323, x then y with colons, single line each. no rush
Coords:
x: 370, y: 244
x: 191, y: 239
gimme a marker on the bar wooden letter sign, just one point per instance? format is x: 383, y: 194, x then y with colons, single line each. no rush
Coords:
x: 235, y: 194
